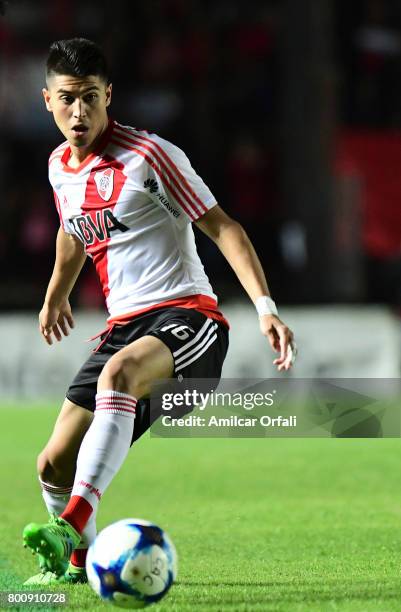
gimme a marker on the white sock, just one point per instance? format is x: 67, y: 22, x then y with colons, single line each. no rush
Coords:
x: 56, y: 500
x: 103, y: 450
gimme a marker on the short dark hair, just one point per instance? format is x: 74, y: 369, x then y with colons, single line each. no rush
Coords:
x: 77, y: 57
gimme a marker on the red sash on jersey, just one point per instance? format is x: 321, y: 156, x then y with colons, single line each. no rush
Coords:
x: 202, y: 303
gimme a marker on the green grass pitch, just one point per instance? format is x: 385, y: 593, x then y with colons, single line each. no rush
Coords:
x: 286, y: 525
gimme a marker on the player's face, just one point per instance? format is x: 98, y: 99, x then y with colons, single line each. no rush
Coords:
x: 79, y: 107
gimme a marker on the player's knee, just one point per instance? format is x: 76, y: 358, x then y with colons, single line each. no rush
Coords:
x: 54, y: 468
x: 42, y: 465
x: 125, y: 374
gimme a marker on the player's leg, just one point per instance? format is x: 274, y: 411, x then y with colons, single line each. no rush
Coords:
x: 56, y: 470
x: 125, y: 378
x: 56, y: 462
x: 196, y: 348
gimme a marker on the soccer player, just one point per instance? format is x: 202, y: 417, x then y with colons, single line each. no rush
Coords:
x: 127, y: 199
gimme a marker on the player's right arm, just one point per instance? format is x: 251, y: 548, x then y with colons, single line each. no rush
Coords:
x: 55, y: 318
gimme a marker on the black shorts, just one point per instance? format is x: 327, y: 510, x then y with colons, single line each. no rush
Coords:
x: 198, y: 344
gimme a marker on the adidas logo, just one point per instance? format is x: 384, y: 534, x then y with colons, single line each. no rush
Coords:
x: 150, y: 184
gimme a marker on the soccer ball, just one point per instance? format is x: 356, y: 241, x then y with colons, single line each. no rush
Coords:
x: 131, y: 563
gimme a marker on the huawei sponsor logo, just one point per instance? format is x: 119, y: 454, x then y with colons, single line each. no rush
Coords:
x: 151, y: 184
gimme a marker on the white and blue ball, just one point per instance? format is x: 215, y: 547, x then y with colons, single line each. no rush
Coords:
x: 131, y: 563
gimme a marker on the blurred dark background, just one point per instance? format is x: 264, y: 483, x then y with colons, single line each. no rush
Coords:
x: 290, y: 111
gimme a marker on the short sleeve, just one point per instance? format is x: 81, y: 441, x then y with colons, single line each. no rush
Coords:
x: 65, y: 224
x: 173, y: 183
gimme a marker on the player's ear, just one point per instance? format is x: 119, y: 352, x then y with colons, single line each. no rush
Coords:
x: 108, y: 94
x: 46, y: 96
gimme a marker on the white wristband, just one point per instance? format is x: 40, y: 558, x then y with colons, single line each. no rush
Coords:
x: 266, y: 306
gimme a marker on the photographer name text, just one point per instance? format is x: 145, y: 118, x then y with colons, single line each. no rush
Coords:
x: 231, y: 421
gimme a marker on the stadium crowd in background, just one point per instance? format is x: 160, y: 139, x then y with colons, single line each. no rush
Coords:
x: 206, y: 75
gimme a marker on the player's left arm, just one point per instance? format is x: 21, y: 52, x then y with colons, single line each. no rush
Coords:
x: 233, y: 242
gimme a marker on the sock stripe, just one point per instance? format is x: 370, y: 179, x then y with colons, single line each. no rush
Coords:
x: 125, y: 406
x: 116, y: 410
x: 128, y: 399
x: 116, y: 394
x: 56, y: 492
x: 54, y: 489
x: 115, y: 403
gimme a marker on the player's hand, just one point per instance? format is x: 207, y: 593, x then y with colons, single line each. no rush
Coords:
x: 281, y: 340
x: 55, y: 321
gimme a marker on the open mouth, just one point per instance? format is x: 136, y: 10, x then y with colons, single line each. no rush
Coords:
x: 79, y: 130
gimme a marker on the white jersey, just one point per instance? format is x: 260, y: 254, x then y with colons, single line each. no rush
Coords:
x: 131, y: 202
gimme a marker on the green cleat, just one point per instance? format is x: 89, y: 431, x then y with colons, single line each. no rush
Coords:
x: 73, y: 575
x: 53, y: 542
x: 44, y: 578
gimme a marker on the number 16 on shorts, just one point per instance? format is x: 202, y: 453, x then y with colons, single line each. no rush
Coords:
x: 179, y: 331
